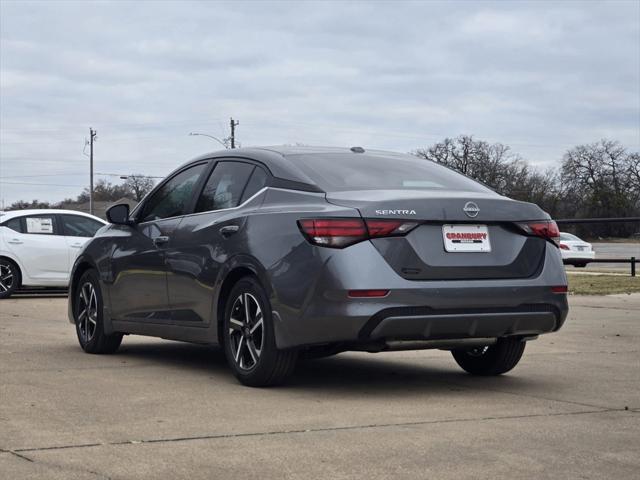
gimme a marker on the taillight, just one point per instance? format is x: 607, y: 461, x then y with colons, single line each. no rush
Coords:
x: 342, y: 232
x: 560, y: 289
x: 388, y: 228
x: 547, y: 229
x: 564, y: 246
x: 333, y: 232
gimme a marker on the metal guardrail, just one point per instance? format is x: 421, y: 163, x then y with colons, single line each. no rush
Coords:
x: 581, y: 261
x: 564, y: 221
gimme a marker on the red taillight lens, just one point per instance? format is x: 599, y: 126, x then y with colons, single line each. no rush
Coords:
x: 333, y: 232
x: 564, y: 246
x: 560, y: 289
x: 342, y: 232
x: 386, y: 228
x: 547, y: 229
x: 368, y: 293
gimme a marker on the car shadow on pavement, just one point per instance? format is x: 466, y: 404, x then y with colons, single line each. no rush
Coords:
x: 344, y: 373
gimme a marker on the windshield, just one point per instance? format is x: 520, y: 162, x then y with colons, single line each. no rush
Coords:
x: 341, y: 172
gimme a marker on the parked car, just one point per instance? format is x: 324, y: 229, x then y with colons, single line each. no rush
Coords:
x: 575, y: 250
x: 38, y: 247
x: 278, y: 252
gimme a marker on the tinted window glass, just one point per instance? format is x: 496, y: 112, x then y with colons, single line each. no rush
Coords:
x: 14, y: 224
x: 256, y: 182
x: 172, y: 199
x: 40, y: 224
x: 77, y: 226
x: 339, y: 172
x: 225, y: 186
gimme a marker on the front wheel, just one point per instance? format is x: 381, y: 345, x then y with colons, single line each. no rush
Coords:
x: 89, y: 317
x: 493, y: 359
x: 249, y: 338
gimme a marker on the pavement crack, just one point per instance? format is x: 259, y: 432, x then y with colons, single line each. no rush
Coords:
x: 311, y: 430
x: 17, y: 453
x: 538, y: 397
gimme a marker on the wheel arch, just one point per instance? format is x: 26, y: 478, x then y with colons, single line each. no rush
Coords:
x: 81, y: 265
x: 237, y: 268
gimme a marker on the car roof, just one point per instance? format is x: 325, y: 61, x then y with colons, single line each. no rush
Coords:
x: 281, y: 159
x: 40, y: 211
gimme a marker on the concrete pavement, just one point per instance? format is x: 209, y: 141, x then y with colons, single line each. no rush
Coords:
x: 161, y: 409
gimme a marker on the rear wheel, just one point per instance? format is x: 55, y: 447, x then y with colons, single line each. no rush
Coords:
x: 89, y: 317
x: 9, y: 278
x: 249, y: 339
x: 491, y: 359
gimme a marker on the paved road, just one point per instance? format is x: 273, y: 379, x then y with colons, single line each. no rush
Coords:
x: 161, y: 409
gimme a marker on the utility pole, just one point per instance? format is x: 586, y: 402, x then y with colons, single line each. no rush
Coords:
x: 92, y: 138
x: 234, y: 124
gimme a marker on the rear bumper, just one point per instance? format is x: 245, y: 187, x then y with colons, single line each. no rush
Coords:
x: 321, y: 312
x: 432, y: 324
x: 570, y: 255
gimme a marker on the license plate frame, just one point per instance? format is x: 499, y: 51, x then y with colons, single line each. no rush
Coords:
x: 466, y: 238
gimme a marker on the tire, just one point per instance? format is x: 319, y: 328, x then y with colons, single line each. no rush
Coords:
x: 493, y: 359
x: 249, y: 340
x: 10, y: 278
x: 89, y: 319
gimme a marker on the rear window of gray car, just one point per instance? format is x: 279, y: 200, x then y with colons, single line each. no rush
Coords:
x: 341, y: 172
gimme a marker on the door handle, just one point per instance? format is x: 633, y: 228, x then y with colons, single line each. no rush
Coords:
x: 229, y: 230
x: 15, y: 241
x: 160, y: 240
x: 76, y: 245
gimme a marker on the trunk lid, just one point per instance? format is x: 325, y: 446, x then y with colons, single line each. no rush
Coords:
x: 421, y: 254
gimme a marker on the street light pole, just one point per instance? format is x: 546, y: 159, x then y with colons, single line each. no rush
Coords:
x: 233, y: 123
x: 210, y: 136
x: 92, y: 136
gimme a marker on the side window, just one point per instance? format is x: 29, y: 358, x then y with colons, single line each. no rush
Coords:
x: 14, y: 224
x: 78, y: 226
x: 172, y: 199
x: 224, y: 186
x: 256, y: 182
x: 40, y: 224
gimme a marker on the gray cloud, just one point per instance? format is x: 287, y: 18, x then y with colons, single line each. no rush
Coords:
x: 539, y: 76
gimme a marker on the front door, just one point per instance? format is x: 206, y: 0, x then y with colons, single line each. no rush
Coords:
x: 139, y: 286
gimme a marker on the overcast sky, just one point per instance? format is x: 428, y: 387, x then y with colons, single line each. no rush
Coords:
x: 540, y: 77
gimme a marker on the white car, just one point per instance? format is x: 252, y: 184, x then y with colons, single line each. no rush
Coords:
x: 38, y: 247
x: 575, y: 250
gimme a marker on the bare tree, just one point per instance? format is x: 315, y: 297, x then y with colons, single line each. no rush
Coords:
x: 600, y: 180
x: 139, y: 185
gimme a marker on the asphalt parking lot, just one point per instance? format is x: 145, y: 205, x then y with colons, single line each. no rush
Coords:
x: 161, y: 409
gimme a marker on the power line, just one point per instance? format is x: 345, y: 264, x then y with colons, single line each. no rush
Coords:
x: 47, y: 184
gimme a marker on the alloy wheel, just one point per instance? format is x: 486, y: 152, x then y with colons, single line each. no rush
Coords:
x: 478, y: 351
x: 6, y: 278
x: 246, y: 331
x: 87, y: 316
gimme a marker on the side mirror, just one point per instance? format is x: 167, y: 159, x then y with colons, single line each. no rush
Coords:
x: 118, y: 214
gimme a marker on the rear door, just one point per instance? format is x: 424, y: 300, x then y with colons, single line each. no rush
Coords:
x: 41, y: 249
x: 77, y: 230
x: 207, y: 238
x: 139, y: 290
